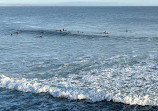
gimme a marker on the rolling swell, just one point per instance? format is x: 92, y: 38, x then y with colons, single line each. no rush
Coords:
x: 63, y: 33
x: 112, y: 35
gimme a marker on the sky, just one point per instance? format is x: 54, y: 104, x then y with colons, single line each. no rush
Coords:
x: 81, y: 2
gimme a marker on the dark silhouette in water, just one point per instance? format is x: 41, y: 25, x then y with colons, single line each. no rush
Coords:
x: 106, y: 32
x: 130, y: 31
x: 11, y: 34
x: 17, y: 32
x: 64, y: 29
x: 106, y: 36
x: 126, y: 30
x: 59, y: 30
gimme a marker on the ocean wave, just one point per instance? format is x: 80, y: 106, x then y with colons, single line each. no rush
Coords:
x: 52, y: 32
x: 48, y: 32
x: 132, y: 85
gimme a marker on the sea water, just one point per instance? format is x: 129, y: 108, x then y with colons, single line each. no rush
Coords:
x: 80, y: 68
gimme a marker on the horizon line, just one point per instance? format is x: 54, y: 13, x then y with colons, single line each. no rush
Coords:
x: 81, y: 5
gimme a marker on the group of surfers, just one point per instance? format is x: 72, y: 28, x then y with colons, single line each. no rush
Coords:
x: 63, y: 30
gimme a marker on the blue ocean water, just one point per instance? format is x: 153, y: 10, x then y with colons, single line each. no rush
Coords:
x: 80, y: 68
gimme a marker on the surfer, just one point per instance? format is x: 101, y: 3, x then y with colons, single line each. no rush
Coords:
x: 59, y: 30
x: 11, y: 34
x: 64, y: 29
x: 106, y: 32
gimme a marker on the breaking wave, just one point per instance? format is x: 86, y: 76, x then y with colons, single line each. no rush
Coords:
x: 133, y: 85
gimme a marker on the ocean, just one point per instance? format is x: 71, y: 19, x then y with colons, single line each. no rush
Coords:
x: 78, y: 58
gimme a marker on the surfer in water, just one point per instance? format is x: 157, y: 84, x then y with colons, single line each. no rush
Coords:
x: 64, y: 29
x: 59, y: 30
x: 106, y: 32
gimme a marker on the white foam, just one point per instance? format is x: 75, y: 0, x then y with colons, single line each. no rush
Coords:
x: 122, y: 85
x: 19, y: 22
x: 136, y: 84
x: 34, y: 87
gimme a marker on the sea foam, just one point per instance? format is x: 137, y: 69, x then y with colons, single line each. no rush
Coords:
x: 132, y: 85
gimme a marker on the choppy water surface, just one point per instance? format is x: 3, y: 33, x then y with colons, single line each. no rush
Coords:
x: 81, y: 68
